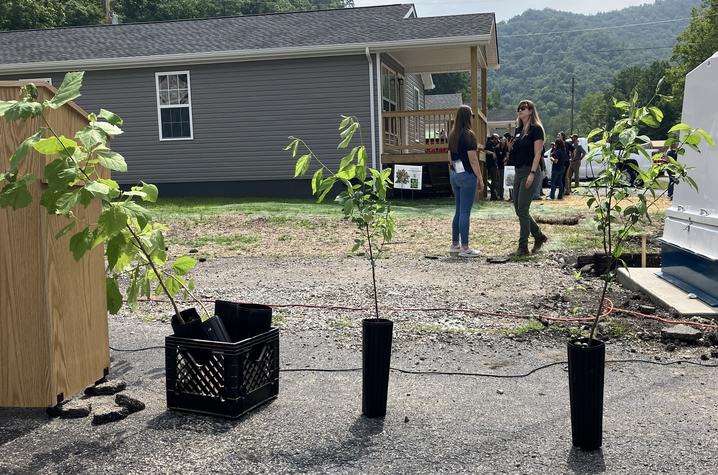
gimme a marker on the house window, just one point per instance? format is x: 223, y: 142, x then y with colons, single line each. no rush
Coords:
x: 174, y: 105
x: 390, y: 94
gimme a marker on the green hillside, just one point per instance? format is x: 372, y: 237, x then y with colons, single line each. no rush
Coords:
x: 540, y: 67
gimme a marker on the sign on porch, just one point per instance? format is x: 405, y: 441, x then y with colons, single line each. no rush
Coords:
x: 407, y: 177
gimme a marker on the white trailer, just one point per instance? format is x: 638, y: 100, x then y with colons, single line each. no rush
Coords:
x: 690, y: 236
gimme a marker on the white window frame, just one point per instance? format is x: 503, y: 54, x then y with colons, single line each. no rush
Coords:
x: 173, y: 106
x: 393, y: 123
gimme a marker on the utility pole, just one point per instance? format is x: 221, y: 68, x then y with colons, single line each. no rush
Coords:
x: 573, y: 89
x: 108, y: 13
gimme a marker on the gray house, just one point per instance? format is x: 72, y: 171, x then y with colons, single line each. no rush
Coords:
x: 208, y: 104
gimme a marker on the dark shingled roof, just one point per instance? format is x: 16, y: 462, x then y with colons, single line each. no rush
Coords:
x: 443, y: 101
x: 502, y: 115
x: 349, y: 26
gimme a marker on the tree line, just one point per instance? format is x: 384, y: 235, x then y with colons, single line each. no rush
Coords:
x: 32, y: 14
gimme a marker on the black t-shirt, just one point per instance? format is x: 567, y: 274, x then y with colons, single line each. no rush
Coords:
x: 522, y: 152
x: 490, y: 159
x: 467, y: 142
x: 500, y: 155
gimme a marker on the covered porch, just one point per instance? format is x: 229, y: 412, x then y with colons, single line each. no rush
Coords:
x: 420, y: 136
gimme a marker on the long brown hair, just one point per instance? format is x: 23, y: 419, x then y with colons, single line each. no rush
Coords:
x: 533, y: 119
x: 462, y: 127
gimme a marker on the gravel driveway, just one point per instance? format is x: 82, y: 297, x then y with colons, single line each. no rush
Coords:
x: 658, y: 419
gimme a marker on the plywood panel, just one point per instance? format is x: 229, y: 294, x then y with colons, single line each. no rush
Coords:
x: 25, y: 357
x: 76, y: 290
x: 53, y: 315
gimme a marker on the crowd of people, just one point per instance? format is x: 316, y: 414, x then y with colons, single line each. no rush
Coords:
x: 565, y: 156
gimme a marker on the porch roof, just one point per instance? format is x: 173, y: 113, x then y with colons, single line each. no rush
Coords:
x: 345, y: 31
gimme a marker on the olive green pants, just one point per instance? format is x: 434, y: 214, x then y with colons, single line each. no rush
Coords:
x: 522, y: 202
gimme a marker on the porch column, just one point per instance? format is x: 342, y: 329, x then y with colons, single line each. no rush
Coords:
x: 474, y: 89
x: 475, y: 108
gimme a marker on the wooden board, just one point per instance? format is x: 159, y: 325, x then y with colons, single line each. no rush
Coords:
x: 53, y: 315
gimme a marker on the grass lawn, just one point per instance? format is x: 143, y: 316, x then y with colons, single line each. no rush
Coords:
x: 254, y: 227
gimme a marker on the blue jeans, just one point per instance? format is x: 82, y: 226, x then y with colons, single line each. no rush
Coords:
x: 464, y: 188
x: 557, y: 180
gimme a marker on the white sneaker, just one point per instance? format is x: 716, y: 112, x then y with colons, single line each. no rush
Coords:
x: 454, y: 250
x: 469, y: 253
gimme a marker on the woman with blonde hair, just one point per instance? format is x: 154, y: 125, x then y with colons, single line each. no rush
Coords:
x: 525, y: 153
x: 465, y: 177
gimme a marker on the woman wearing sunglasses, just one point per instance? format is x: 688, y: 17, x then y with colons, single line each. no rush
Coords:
x: 525, y: 153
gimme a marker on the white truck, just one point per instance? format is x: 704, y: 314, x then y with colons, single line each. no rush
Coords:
x: 591, y: 168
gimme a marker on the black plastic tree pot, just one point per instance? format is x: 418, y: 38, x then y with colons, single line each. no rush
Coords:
x: 586, y: 363
x: 191, y: 326
x: 243, y: 320
x: 376, y: 359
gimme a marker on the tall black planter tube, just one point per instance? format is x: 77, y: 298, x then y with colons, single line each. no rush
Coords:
x: 586, y: 364
x: 376, y: 359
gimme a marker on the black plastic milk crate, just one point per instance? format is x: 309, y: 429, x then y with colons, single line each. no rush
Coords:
x: 222, y: 379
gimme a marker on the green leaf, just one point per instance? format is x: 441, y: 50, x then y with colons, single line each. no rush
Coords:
x: 346, y: 120
x: 628, y: 136
x: 21, y: 153
x: 114, y: 297
x: 90, y: 137
x: 112, y: 220
x: 113, y: 249
x: 150, y: 191
x: 69, y: 90
x: 23, y: 110
x: 173, y: 287
x: 110, y: 117
x: 97, y: 188
x: 59, y: 173
x: 184, y: 264
x: 656, y: 113
x: 67, y: 202
x: 112, y: 161
x: 141, y: 214
x: 16, y: 194
x: 679, y: 128
x: 107, y: 128
x: 65, y: 229
x: 55, y: 146
x: 302, y: 166
x: 317, y: 180
x: 81, y: 243
x: 706, y: 136
x: 5, y: 105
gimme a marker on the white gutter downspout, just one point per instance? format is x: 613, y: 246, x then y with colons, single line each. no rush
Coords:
x: 378, y: 108
x: 371, y: 108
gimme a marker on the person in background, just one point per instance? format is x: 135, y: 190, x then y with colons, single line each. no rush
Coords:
x: 466, y: 180
x: 574, y: 166
x: 540, y: 175
x: 569, y: 145
x: 500, y: 164
x: 491, y: 165
x: 559, y: 158
x: 525, y: 154
x: 671, y: 180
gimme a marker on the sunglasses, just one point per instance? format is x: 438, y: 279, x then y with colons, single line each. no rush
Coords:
x: 523, y: 108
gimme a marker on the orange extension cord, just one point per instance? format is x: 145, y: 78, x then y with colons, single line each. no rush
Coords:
x: 610, y: 309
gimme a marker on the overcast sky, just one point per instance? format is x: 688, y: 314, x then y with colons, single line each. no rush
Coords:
x: 506, y: 9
